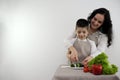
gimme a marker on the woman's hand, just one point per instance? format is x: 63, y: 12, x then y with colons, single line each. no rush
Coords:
x: 87, y: 59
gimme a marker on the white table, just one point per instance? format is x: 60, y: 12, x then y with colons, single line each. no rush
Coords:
x: 67, y: 73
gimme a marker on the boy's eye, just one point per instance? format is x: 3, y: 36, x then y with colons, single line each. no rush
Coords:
x: 79, y: 32
x: 84, y: 32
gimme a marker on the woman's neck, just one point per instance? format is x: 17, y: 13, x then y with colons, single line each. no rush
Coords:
x: 91, y: 30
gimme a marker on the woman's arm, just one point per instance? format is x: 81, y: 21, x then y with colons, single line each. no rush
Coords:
x: 102, y: 45
x: 68, y: 42
x: 73, y: 56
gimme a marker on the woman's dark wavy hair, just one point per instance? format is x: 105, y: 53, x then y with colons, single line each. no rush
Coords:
x: 106, y: 27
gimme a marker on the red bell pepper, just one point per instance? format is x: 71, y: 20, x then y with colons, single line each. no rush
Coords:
x: 97, y: 69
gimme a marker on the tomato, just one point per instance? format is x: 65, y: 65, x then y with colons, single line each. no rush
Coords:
x: 86, y: 69
x: 97, y: 69
x: 90, y: 69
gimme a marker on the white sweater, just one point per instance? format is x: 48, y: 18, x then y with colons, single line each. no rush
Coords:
x: 99, y: 38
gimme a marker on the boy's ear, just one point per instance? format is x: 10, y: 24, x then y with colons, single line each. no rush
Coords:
x: 76, y: 31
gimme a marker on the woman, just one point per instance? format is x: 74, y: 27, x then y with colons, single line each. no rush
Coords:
x: 100, y: 31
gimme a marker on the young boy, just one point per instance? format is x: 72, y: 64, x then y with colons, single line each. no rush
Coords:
x: 84, y: 47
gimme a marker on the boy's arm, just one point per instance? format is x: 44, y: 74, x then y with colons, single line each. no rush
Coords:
x: 92, y: 53
x: 72, y: 52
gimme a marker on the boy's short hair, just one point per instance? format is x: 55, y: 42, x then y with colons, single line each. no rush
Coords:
x: 82, y: 23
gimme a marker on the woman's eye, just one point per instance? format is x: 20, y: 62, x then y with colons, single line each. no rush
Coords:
x: 99, y: 22
x: 95, y: 19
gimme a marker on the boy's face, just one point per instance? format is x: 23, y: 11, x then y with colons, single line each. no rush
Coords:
x: 82, y: 33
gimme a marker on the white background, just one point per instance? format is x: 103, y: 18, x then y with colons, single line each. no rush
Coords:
x: 32, y: 34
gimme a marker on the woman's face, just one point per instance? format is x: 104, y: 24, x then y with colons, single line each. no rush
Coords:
x: 97, y: 21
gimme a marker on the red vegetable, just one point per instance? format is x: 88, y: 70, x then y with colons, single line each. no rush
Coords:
x: 97, y: 69
x: 90, y: 69
x: 86, y: 69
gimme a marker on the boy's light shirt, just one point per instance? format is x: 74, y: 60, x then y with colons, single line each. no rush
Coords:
x: 82, y: 40
x: 73, y: 40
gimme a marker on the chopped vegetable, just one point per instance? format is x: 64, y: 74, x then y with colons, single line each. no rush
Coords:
x: 86, y: 69
x: 76, y: 65
x: 72, y: 65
